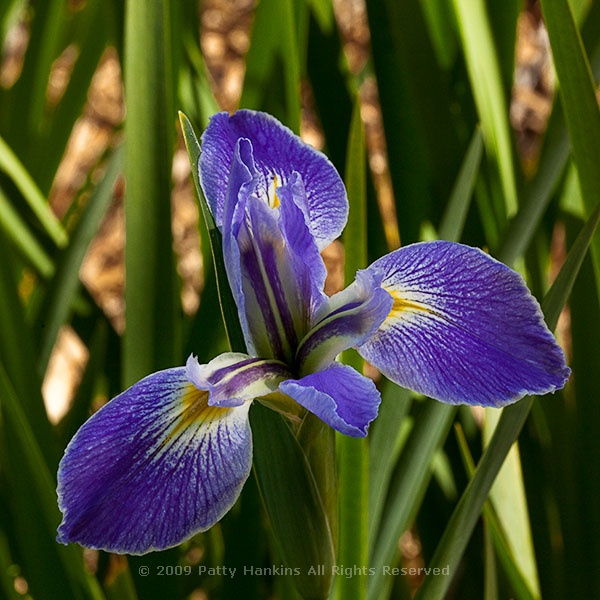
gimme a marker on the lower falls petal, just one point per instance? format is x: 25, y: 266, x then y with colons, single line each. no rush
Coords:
x: 463, y: 329
x: 152, y: 467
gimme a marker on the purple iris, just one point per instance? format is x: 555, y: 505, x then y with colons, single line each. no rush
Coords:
x: 168, y: 457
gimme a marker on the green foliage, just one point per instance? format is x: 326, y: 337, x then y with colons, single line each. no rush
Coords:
x: 444, y: 75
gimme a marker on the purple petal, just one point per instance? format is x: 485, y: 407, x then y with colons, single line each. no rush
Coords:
x: 153, y: 467
x: 308, y: 272
x: 278, y: 153
x: 242, y: 182
x: 233, y: 378
x: 274, y: 267
x: 339, y: 396
x: 464, y: 328
x: 348, y: 319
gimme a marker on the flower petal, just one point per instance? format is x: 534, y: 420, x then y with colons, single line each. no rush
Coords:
x: 241, y: 184
x: 278, y: 152
x: 348, y: 319
x: 464, y: 328
x: 339, y: 395
x: 308, y: 272
x: 274, y: 267
x: 234, y: 378
x: 153, y: 467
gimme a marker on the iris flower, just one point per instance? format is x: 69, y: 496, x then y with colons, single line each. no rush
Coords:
x: 168, y: 457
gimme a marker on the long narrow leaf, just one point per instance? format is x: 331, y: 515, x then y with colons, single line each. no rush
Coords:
x: 151, y: 285
x: 60, y: 296
x: 430, y: 431
x: 490, y: 98
x: 23, y: 240
x: 17, y: 352
x: 498, y: 535
x: 28, y: 95
x: 295, y: 509
x: 353, y: 453
x: 31, y: 193
x: 228, y: 308
x: 579, y: 103
x: 272, y: 79
x: 422, y: 145
x: 464, y: 517
x: 385, y: 442
x: 537, y: 193
x: 508, y: 498
x: 456, y: 210
x: 52, y: 569
x: 92, y: 28
x: 153, y: 307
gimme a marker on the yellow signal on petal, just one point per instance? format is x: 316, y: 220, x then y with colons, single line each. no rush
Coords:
x: 195, y: 410
x: 273, y: 197
x: 402, y: 305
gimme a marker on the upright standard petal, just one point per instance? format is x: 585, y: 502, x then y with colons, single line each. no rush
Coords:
x: 464, y: 328
x: 152, y: 467
x: 278, y: 152
x: 273, y: 264
x: 339, y: 396
x: 307, y: 270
